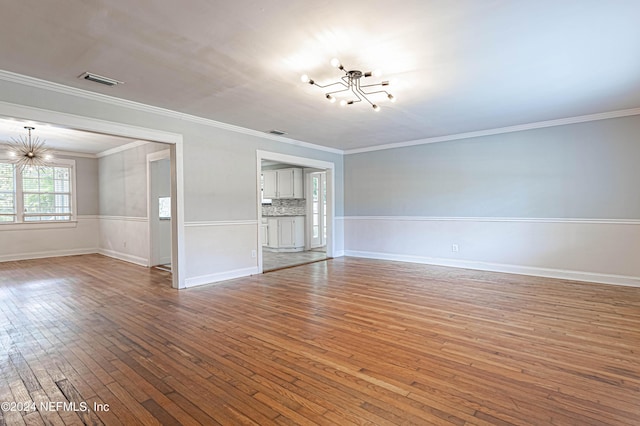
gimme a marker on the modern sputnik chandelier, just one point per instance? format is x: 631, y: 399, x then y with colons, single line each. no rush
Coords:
x: 26, y: 151
x: 350, y: 85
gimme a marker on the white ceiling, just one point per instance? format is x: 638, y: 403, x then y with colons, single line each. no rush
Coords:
x: 456, y: 66
x: 58, y: 138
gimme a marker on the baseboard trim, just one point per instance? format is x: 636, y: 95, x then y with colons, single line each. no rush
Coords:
x: 125, y: 257
x: 46, y: 254
x: 125, y: 218
x: 506, y: 268
x: 220, y: 276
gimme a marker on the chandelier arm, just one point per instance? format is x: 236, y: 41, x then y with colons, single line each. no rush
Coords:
x: 328, y: 85
x: 356, y: 91
x: 377, y: 91
x: 359, y: 92
x: 364, y: 95
x: 338, y: 91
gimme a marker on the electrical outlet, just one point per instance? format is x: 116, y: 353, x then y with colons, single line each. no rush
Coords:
x: 455, y: 248
x: 253, y: 254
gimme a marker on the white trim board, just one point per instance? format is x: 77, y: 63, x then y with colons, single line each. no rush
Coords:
x: 124, y: 257
x: 125, y: 218
x: 597, y: 221
x: 121, y: 148
x: 68, y: 90
x: 221, y: 276
x: 221, y: 223
x: 500, y: 130
x: 47, y: 254
x: 504, y: 268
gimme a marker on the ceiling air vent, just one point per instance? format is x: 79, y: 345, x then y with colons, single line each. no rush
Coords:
x: 99, y: 79
x: 277, y: 132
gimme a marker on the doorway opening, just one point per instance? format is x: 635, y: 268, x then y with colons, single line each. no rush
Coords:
x: 101, y: 127
x: 295, y: 210
x: 159, y: 209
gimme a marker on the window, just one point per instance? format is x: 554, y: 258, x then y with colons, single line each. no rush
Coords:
x: 164, y: 208
x: 37, y: 194
x: 7, y: 193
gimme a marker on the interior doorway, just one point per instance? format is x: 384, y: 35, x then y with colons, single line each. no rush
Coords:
x: 293, y: 228
x: 98, y: 126
x: 317, y: 187
x: 159, y: 208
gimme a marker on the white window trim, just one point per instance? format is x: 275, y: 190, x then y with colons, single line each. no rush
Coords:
x: 71, y: 223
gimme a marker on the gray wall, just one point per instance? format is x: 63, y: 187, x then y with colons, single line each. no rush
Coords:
x: 86, y: 184
x: 123, y: 181
x: 586, y: 170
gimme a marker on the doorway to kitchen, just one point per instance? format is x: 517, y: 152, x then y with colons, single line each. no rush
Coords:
x: 317, y: 187
x: 295, y: 210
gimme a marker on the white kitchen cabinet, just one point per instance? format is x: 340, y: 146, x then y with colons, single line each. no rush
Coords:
x: 283, y: 183
x: 286, y: 233
x: 264, y: 228
x: 272, y: 232
x: 270, y: 184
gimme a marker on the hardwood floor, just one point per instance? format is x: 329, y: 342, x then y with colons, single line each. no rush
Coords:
x: 347, y: 341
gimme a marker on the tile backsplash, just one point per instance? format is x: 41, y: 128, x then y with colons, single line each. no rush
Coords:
x: 286, y: 207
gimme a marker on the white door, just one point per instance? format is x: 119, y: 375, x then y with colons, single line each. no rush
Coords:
x: 318, y: 221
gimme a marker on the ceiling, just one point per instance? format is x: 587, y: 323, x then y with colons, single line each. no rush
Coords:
x: 59, y: 138
x: 455, y: 66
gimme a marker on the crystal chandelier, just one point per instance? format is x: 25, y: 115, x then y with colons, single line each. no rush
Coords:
x: 27, y: 152
x: 351, y: 86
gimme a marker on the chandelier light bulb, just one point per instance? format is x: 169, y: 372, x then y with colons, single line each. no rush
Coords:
x: 391, y: 97
x: 335, y: 62
x: 305, y: 78
x: 376, y: 107
x: 331, y: 99
x: 343, y: 103
x: 376, y: 73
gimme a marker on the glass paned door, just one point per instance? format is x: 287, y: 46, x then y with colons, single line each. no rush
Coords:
x: 318, y: 209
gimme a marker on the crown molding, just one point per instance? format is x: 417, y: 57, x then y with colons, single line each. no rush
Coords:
x: 68, y: 90
x: 73, y: 91
x: 500, y: 130
x: 121, y: 148
x: 56, y: 152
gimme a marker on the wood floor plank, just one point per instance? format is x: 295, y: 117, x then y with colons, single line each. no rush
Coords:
x: 347, y: 341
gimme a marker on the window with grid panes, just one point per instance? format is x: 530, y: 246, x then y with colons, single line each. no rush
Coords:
x: 36, y: 194
x: 7, y: 193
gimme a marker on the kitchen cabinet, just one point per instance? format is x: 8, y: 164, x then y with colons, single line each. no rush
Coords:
x: 285, y: 233
x: 283, y: 183
x: 264, y: 229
